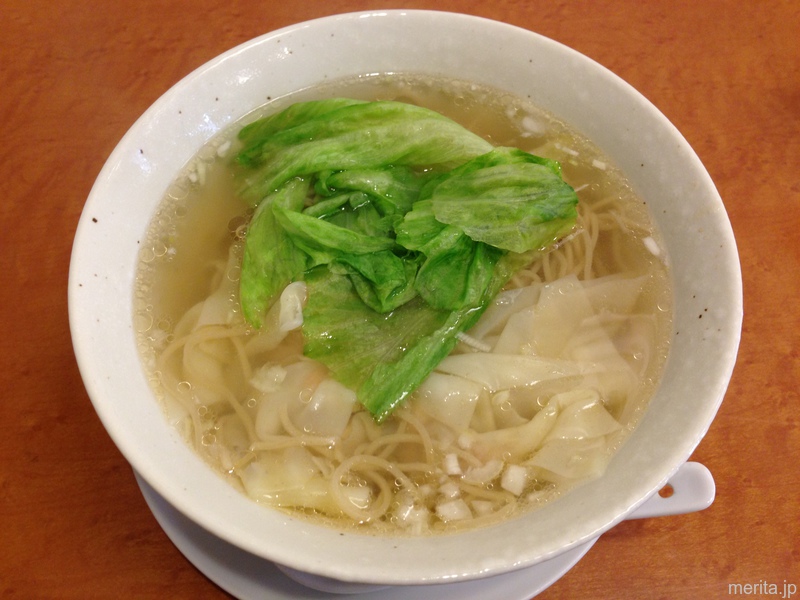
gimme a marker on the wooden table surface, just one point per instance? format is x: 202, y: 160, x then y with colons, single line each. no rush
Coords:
x: 75, y: 74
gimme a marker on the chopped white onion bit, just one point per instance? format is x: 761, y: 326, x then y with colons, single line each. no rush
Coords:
x: 268, y: 378
x: 514, y: 479
x: 425, y: 490
x: 652, y: 246
x: 454, y: 510
x: 198, y: 175
x: 599, y: 164
x: 451, y: 464
x: 414, y: 519
x: 223, y: 149
x: 482, y: 507
x: 569, y: 151
x: 533, y: 126
x: 450, y: 490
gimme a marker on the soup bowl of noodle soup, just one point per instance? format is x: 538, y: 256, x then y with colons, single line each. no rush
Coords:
x: 588, y: 380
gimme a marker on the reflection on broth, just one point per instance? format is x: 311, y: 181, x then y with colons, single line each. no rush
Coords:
x: 535, y: 398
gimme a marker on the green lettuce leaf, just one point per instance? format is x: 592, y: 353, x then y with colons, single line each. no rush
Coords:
x: 256, y: 134
x: 404, y: 226
x: 393, y: 189
x: 270, y: 260
x: 456, y: 271
x: 508, y: 199
x: 385, y: 357
x: 360, y: 345
x: 334, y: 135
x: 322, y: 240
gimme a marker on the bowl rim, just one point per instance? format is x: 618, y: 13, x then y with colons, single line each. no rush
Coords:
x: 93, y: 344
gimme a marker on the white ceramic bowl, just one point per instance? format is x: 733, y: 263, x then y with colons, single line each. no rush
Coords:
x: 631, y: 131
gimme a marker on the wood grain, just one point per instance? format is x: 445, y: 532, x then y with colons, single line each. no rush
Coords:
x: 76, y: 74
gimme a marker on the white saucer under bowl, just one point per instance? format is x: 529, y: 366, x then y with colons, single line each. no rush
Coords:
x: 248, y: 577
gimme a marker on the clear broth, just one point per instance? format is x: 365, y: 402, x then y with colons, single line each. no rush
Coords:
x: 191, y: 249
